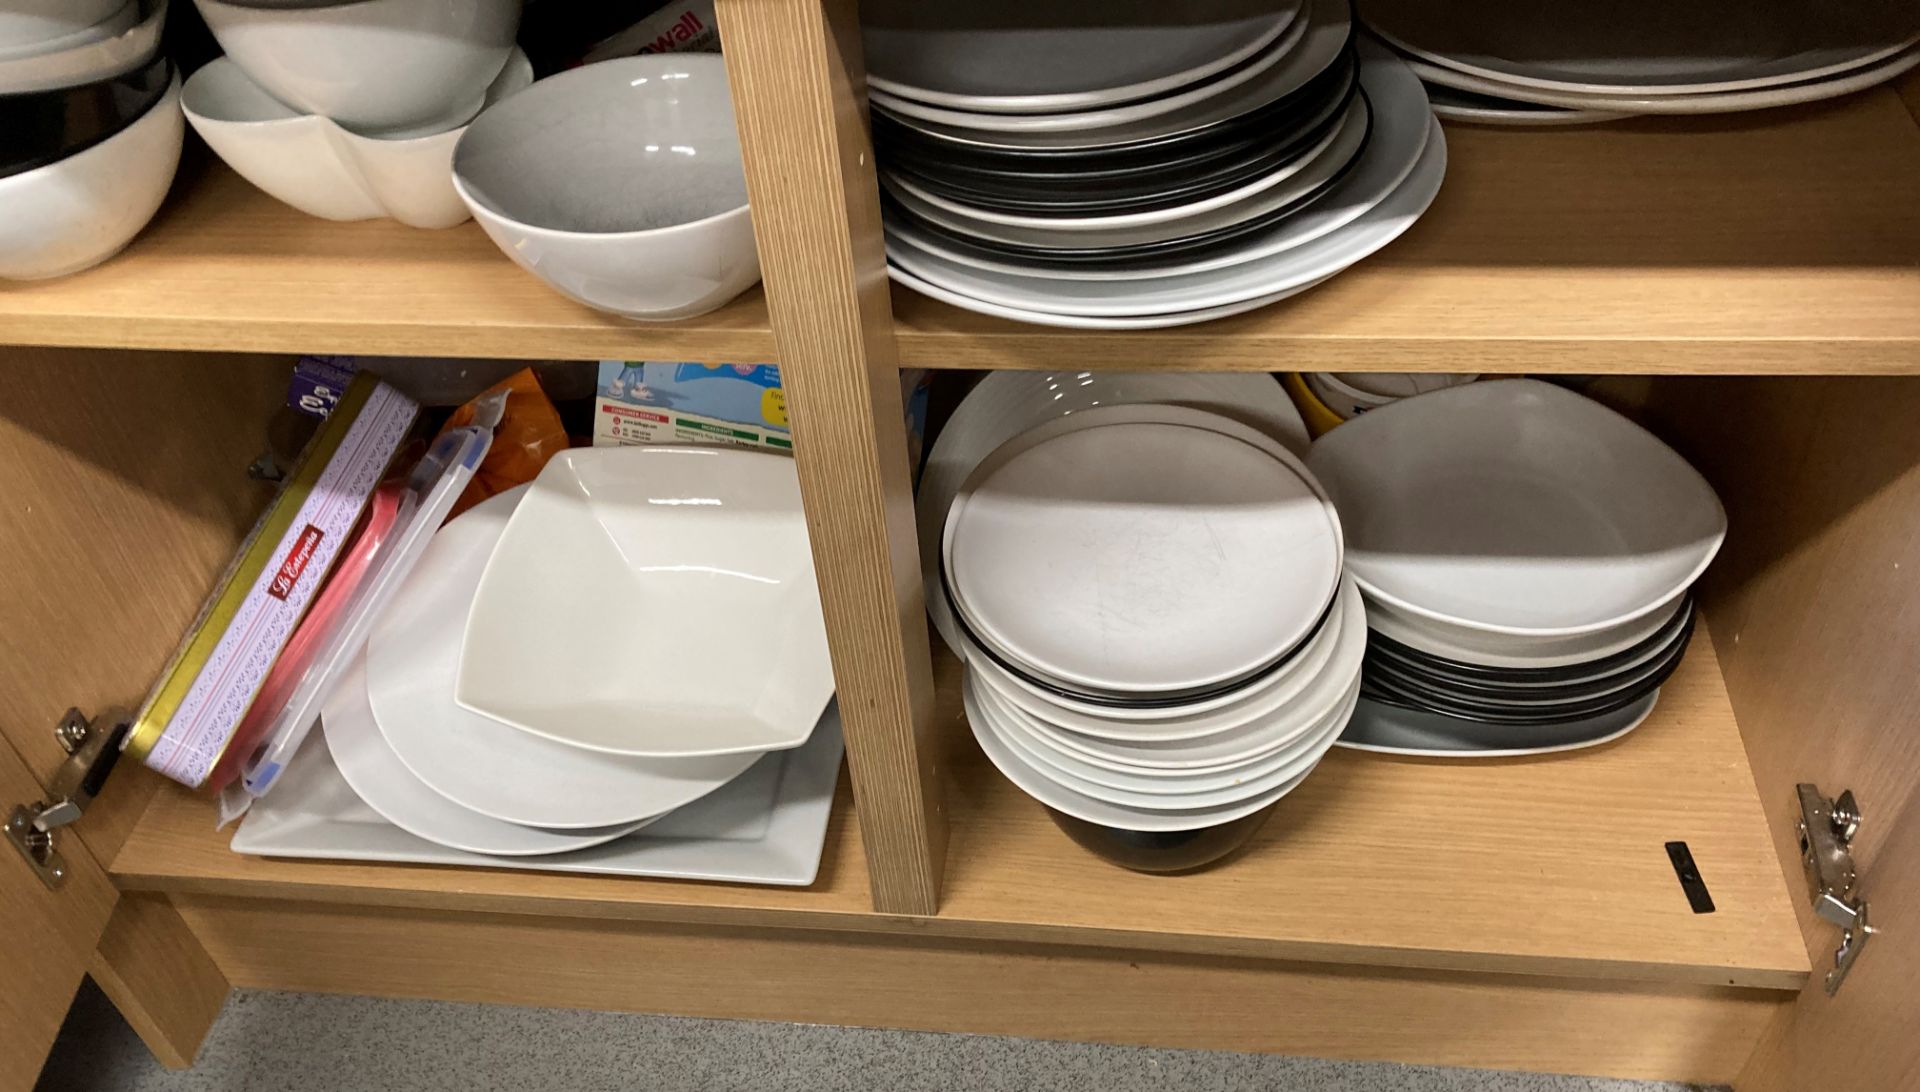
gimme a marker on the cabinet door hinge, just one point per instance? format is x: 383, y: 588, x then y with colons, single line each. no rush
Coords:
x: 92, y: 746
x: 1827, y: 828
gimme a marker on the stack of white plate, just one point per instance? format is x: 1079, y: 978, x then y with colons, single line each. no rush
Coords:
x: 1070, y: 164
x: 574, y: 660
x: 1560, y: 64
x: 1350, y: 394
x: 1526, y: 556
x: 1159, y: 640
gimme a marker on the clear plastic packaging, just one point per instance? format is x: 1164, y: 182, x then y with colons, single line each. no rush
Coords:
x: 430, y: 491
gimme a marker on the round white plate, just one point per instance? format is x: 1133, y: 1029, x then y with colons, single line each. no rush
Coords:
x: 1136, y: 557
x: 1122, y: 114
x: 1517, y: 507
x: 388, y: 787
x: 1087, y: 322
x: 1395, y: 143
x: 1302, y: 178
x: 1257, y: 701
x: 1476, y: 646
x: 1575, y: 678
x: 1008, y: 403
x: 1389, y: 729
x: 1263, y: 278
x: 1167, y: 794
x: 1016, y: 56
x: 478, y: 762
x: 1055, y: 795
x: 1245, y: 743
x: 1327, y: 30
x: 1656, y: 48
x: 1351, y: 128
x: 1453, y: 104
x: 1846, y: 83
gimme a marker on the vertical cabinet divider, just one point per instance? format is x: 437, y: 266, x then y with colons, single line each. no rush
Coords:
x: 799, y: 98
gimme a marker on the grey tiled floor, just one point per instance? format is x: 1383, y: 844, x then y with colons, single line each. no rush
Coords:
x: 285, y: 1042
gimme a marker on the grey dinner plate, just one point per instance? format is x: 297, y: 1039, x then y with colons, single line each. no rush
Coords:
x: 1377, y: 726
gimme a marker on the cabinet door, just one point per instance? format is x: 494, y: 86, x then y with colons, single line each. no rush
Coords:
x: 49, y: 935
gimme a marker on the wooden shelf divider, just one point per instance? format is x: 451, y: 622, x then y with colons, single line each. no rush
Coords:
x: 1779, y: 242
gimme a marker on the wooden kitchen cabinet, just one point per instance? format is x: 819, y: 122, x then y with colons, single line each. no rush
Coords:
x: 1753, y: 295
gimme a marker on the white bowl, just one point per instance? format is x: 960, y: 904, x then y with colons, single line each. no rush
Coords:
x: 1478, y: 646
x: 620, y: 184
x: 1351, y: 394
x: 74, y: 214
x: 653, y: 601
x: 326, y: 170
x: 124, y: 42
x: 1517, y: 507
x: 1008, y: 403
x: 1259, y: 701
x: 35, y: 26
x: 379, y: 67
x: 1170, y: 794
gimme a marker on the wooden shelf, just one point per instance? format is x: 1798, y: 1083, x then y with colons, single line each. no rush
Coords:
x: 1780, y: 242
x: 225, y: 267
x: 1552, y: 867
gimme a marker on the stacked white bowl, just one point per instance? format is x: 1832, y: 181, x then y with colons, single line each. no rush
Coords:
x: 351, y: 110
x: 1350, y: 394
x: 1160, y: 642
x: 91, y: 116
x: 1526, y: 556
x: 573, y: 660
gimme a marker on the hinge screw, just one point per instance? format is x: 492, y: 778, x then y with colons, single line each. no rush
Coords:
x: 71, y: 733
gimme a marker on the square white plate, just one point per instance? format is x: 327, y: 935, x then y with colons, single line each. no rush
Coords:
x: 768, y: 826
x: 653, y: 601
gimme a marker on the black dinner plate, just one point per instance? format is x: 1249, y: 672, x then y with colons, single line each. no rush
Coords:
x: 38, y: 128
x: 1176, y: 183
x: 1374, y: 686
x: 1130, y: 256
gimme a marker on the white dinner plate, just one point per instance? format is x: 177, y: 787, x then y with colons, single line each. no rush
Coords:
x: 1055, y: 795
x: 1845, y: 83
x: 1166, y: 794
x: 1517, y: 507
x: 388, y: 787
x: 1141, y: 557
x: 734, y: 835
x: 1394, y: 144
x: 1018, y: 56
x: 1453, y: 104
x: 1088, y: 322
x: 478, y: 762
x: 1261, y: 279
x: 1342, y: 142
x: 1301, y: 179
x: 1256, y: 701
x: 1007, y: 403
x: 653, y: 601
x: 1653, y: 48
x: 1277, y: 49
x: 1390, y: 729
x: 1247, y: 742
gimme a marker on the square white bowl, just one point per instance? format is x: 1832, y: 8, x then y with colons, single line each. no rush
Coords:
x: 653, y: 601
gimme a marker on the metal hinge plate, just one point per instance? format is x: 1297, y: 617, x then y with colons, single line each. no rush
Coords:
x: 1827, y: 829
x: 92, y: 746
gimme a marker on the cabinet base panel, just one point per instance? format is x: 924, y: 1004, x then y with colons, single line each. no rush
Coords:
x: 1617, y: 1029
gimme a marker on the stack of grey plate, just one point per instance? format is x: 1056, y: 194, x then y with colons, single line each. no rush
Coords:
x: 1558, y: 64
x: 1117, y: 166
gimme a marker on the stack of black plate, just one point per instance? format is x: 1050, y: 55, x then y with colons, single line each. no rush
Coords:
x: 1139, y: 164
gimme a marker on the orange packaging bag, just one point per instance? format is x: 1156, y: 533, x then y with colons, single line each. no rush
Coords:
x: 529, y: 433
